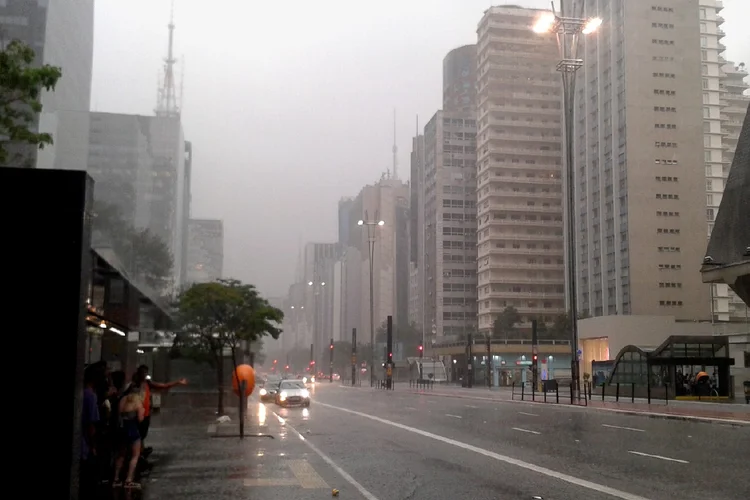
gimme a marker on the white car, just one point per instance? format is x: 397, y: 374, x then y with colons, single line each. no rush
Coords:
x: 293, y: 393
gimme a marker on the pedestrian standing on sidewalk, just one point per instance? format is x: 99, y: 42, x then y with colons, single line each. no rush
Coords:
x: 89, y: 421
x: 132, y: 413
x: 143, y: 384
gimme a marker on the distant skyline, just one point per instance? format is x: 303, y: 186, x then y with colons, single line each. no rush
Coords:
x: 289, y: 106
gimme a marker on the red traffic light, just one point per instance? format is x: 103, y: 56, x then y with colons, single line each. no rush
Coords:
x: 287, y: 367
x: 420, y: 347
x: 331, y: 346
x: 390, y: 355
x: 275, y: 361
x: 535, y: 357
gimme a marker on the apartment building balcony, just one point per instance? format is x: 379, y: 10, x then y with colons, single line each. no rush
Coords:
x: 510, y: 181
x: 495, y: 137
x: 502, y: 278
x: 500, y: 110
x: 515, y: 237
x: 529, y: 311
x: 540, y: 252
x: 493, y: 36
x: 719, y: 20
x: 522, y: 223
x: 495, y: 78
x: 492, y: 123
x: 525, y: 265
x: 508, y: 193
x: 503, y: 165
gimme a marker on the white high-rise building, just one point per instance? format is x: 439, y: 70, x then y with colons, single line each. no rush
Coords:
x: 519, y: 166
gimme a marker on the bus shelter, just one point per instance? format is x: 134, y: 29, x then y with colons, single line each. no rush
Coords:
x: 675, y: 364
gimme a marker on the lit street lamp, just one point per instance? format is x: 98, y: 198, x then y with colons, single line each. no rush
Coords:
x: 568, y: 31
x: 371, y: 225
x: 317, y: 286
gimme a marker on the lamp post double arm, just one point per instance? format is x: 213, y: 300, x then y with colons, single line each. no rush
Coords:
x: 317, y: 286
x: 371, y: 225
x: 568, y: 30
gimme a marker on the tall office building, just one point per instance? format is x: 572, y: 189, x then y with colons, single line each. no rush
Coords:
x: 138, y: 163
x: 416, y: 232
x: 318, y: 263
x: 205, y: 251
x: 450, y: 226
x: 443, y: 214
x: 724, y: 108
x: 460, y: 79
x: 640, y: 178
x: 61, y: 32
x: 519, y: 157
x: 387, y: 200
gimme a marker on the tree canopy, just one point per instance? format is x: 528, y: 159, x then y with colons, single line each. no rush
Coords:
x: 505, y: 324
x: 21, y: 86
x: 220, y: 316
x: 145, y: 253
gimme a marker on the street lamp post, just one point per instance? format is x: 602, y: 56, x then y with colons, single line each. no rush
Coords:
x: 296, y: 310
x: 371, y: 225
x: 317, y: 286
x: 568, y: 30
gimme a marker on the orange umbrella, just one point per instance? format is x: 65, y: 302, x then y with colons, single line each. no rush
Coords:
x: 700, y: 375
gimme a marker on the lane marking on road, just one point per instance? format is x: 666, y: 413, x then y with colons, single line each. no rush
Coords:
x: 454, y: 416
x: 331, y: 463
x: 600, y: 488
x: 623, y: 428
x: 470, y: 406
x: 259, y: 481
x: 529, y: 414
x: 525, y: 430
x: 659, y: 457
x: 410, y: 408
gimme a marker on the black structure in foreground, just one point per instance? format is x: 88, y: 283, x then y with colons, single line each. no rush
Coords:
x: 46, y: 255
x: 728, y: 256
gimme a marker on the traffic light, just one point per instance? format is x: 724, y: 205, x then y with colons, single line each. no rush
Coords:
x: 331, y: 346
x: 275, y: 361
x: 420, y: 348
x: 535, y: 357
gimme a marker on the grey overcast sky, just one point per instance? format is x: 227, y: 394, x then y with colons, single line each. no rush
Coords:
x: 289, y: 105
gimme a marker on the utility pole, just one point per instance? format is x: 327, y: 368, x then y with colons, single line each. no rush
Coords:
x: 534, y: 354
x: 330, y: 366
x: 389, y: 355
x: 469, y: 362
x: 354, y: 355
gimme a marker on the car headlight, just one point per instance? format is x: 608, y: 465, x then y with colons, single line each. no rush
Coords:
x: 282, y: 396
x: 312, y: 380
x: 305, y: 393
x: 304, y: 380
x: 263, y: 392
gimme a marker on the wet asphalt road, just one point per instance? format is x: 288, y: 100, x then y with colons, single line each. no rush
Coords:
x: 392, y: 445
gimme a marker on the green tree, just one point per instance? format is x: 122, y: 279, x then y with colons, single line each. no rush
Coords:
x: 541, y: 328
x: 21, y: 85
x: 143, y: 252
x: 505, y: 324
x: 218, y: 318
x: 561, y: 327
x: 151, y: 258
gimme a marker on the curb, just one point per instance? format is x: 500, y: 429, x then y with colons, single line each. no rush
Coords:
x: 666, y: 416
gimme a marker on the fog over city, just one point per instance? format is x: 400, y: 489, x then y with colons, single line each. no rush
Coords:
x: 289, y: 105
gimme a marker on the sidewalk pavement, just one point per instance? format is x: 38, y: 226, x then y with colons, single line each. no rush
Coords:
x: 688, y: 410
x: 197, y: 457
